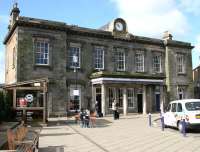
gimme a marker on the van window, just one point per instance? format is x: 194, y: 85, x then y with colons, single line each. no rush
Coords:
x: 179, y: 108
x: 168, y: 108
x: 174, y: 107
x: 192, y: 106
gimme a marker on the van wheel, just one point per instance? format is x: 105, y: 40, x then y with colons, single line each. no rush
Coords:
x: 180, y: 126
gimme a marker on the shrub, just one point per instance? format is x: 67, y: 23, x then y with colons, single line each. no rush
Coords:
x: 6, y: 112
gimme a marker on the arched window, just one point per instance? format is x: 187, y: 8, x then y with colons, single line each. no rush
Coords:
x: 180, y: 93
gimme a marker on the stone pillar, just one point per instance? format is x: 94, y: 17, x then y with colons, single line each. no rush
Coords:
x: 93, y: 97
x: 144, y: 100
x: 161, y: 99
x: 150, y: 98
x: 14, y: 98
x: 103, y: 99
x: 125, y: 102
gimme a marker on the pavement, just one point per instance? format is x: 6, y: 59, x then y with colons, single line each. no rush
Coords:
x: 128, y: 134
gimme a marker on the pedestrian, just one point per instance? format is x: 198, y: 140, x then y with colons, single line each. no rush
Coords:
x: 87, y: 118
x: 97, y: 108
x: 82, y: 117
x: 114, y: 108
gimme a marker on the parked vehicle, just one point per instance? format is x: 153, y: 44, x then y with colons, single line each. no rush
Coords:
x: 188, y: 109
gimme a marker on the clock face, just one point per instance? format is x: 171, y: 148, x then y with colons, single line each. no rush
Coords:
x: 119, y: 26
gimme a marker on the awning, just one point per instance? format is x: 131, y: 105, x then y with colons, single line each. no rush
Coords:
x: 106, y: 80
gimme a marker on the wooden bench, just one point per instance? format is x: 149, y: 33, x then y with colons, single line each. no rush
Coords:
x: 22, y: 139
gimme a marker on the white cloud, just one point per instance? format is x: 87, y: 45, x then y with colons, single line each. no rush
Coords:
x: 153, y: 17
x: 2, y: 66
x: 191, y: 6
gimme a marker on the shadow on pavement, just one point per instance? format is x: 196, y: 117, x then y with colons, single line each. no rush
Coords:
x: 100, y: 122
x: 52, y: 149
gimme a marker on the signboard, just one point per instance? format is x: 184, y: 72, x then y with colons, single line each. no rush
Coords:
x: 29, y: 97
x: 22, y: 102
x: 76, y: 92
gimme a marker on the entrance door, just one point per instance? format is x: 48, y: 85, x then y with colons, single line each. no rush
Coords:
x: 98, y: 99
x: 139, y: 102
x: 158, y: 102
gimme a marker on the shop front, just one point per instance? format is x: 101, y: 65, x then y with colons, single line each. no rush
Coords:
x: 29, y: 99
x: 132, y: 95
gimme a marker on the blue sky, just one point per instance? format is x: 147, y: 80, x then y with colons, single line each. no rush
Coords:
x: 144, y: 17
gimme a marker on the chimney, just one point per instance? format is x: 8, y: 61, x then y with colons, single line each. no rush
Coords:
x: 14, y: 14
x: 167, y: 36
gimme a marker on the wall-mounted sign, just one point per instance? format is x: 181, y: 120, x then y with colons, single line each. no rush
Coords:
x: 22, y: 102
x: 76, y: 92
x: 29, y: 97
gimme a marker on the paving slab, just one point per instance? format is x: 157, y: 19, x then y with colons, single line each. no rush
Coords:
x: 128, y: 134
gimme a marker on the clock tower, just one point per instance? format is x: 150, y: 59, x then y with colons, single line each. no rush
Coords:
x: 120, y: 28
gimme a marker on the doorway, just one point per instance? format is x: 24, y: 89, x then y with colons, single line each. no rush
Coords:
x: 157, y: 102
x: 98, y: 100
x: 140, y: 103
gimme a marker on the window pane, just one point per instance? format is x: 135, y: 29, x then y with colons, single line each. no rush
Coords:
x: 180, y: 63
x: 111, y: 96
x: 173, y: 107
x: 130, y: 98
x: 139, y: 61
x: 99, y: 57
x: 74, y: 51
x: 41, y: 52
x: 179, y: 108
x: 120, y: 59
x: 157, y: 63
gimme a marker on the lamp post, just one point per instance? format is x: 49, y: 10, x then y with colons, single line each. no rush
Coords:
x: 75, y: 92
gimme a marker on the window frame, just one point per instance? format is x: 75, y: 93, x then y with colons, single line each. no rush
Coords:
x: 118, y: 56
x: 180, y: 63
x: 111, y: 96
x: 180, y: 92
x: 178, y: 107
x: 14, y: 58
x: 96, y: 58
x: 120, y: 97
x: 130, y: 99
x: 72, y: 97
x: 139, y: 61
x: 158, y: 64
x: 71, y: 63
x: 40, y: 41
x: 174, y: 108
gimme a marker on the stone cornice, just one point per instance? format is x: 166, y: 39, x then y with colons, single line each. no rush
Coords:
x: 181, y: 44
x: 75, y: 30
x: 126, y: 75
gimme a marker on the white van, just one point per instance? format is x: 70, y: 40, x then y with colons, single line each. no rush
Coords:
x: 188, y: 109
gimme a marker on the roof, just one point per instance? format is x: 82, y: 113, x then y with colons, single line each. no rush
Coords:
x: 186, y: 100
x: 26, y: 82
x: 74, y: 29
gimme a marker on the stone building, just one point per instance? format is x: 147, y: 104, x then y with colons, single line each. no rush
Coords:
x: 196, y: 79
x: 87, y: 66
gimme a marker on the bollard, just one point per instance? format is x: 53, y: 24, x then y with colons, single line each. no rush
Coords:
x: 149, y: 119
x: 162, y: 123
x: 183, y: 128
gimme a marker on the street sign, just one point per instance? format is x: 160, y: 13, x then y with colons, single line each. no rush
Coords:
x: 29, y: 97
